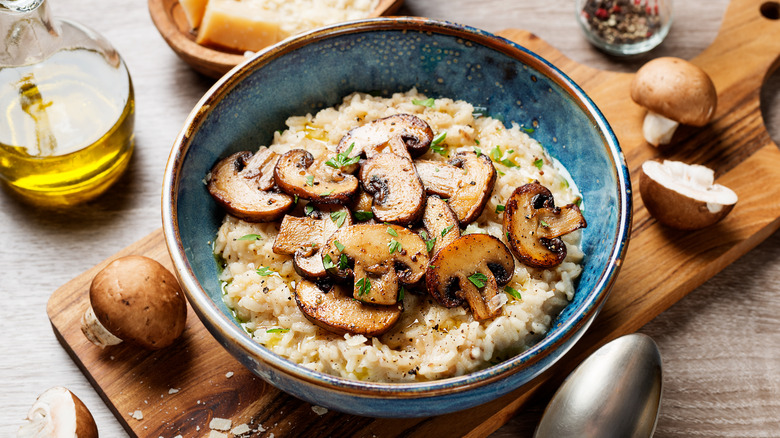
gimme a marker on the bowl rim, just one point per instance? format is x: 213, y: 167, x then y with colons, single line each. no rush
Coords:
x: 215, y: 320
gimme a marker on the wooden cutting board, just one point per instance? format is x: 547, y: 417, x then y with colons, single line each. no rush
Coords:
x: 179, y: 390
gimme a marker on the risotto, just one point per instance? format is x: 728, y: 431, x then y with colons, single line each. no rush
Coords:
x: 429, y: 341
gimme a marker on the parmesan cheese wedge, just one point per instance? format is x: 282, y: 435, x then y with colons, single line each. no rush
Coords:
x: 240, y: 25
x: 193, y: 10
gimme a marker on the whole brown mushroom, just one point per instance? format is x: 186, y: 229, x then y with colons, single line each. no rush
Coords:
x: 58, y: 413
x: 675, y: 92
x: 134, y: 299
x: 684, y: 196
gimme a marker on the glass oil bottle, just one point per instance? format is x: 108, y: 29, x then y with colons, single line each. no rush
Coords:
x: 66, y: 107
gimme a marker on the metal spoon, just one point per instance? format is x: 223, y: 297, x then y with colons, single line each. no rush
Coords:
x: 616, y: 392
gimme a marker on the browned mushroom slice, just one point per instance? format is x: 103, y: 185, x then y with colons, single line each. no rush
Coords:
x: 467, y: 181
x: 304, y: 237
x: 399, y: 196
x: 471, y: 268
x: 533, y: 226
x: 402, y: 134
x: 440, y: 223
x: 383, y: 258
x: 243, y: 185
x: 335, y: 310
x: 298, y: 173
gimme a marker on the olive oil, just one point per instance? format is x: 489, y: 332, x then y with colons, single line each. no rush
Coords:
x: 66, y: 126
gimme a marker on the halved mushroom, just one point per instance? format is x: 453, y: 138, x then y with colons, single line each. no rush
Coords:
x: 467, y: 181
x: 135, y: 299
x: 470, y: 269
x: 298, y: 173
x: 58, y: 413
x: 304, y: 236
x: 334, y: 310
x: 399, y: 196
x: 684, y: 196
x: 383, y: 257
x: 675, y: 92
x: 243, y: 185
x: 405, y: 135
x: 533, y: 226
x: 440, y: 222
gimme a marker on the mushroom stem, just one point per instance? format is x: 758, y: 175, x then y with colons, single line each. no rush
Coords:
x: 658, y: 129
x: 95, y: 331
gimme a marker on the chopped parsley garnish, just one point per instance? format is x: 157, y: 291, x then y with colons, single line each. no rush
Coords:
x: 438, y: 149
x: 495, y: 154
x: 338, y: 217
x: 342, y: 159
x: 439, y: 138
x: 339, y: 246
x: 277, y: 330
x: 578, y: 202
x: 428, y: 242
x: 427, y: 102
x: 543, y: 223
x: 500, y: 208
x: 476, y: 141
x: 508, y: 163
x: 391, y: 231
x: 363, y: 215
x: 539, y: 163
x: 507, y: 236
x: 310, y: 180
x: 364, y: 285
x: 477, y: 150
x: 393, y: 246
x: 264, y: 271
x: 479, y: 279
x: 250, y: 237
x: 514, y: 293
x: 326, y: 193
x: 401, y: 293
x: 327, y: 262
x: 528, y: 130
x: 343, y: 262
x: 308, y: 209
x: 446, y: 230
x: 295, y: 200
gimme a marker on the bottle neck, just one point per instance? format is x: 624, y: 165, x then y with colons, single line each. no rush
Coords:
x: 28, y: 32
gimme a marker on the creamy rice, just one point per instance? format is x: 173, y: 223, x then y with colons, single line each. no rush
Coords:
x: 430, y: 341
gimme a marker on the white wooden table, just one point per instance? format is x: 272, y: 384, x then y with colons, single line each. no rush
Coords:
x: 720, y: 345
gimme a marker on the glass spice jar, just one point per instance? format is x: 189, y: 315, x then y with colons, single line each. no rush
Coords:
x: 625, y: 27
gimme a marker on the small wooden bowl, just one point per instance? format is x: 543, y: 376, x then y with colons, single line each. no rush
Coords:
x: 170, y: 20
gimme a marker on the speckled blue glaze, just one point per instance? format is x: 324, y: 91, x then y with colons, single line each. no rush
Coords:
x: 317, y: 70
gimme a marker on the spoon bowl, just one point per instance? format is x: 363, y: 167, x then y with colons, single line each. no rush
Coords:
x: 614, y: 392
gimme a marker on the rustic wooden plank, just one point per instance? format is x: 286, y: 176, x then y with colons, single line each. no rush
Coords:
x: 735, y: 144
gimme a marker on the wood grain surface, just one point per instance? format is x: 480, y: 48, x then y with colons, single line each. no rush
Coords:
x: 719, y: 344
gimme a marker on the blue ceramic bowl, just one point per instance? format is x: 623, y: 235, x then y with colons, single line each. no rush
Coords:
x: 318, y: 69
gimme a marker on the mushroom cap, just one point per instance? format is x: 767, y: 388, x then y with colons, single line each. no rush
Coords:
x: 298, y: 173
x: 242, y: 184
x: 449, y: 277
x: 675, y: 89
x: 533, y: 226
x: 402, y: 134
x: 57, y: 412
x: 684, y: 196
x: 303, y: 237
x: 467, y: 182
x: 139, y: 301
x: 440, y: 222
x: 399, y: 195
x: 383, y: 257
x: 336, y: 311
